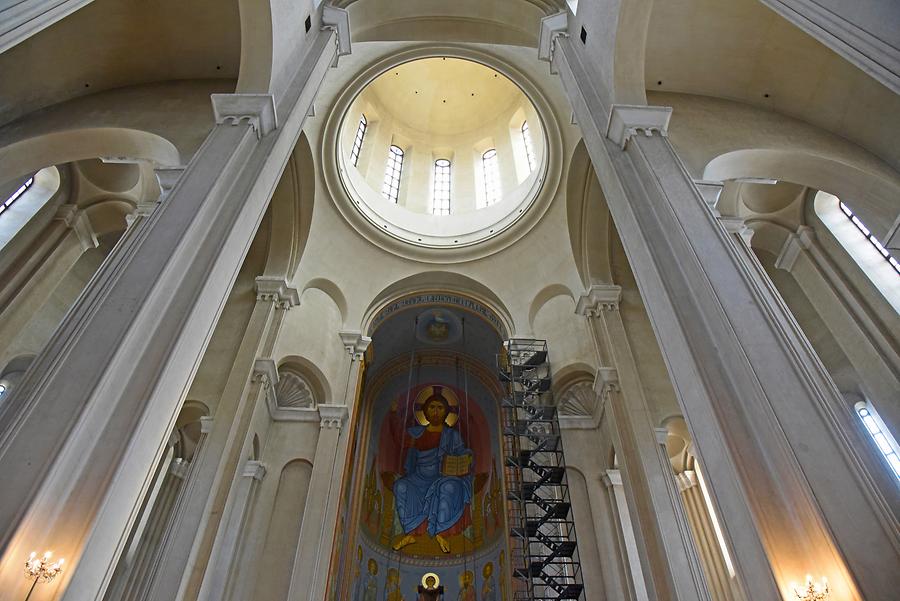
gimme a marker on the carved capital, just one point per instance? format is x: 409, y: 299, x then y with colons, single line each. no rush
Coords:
x: 338, y: 21
x: 626, y: 121
x: 257, y: 110
x: 599, y: 298
x: 266, y: 372
x: 167, y: 177
x: 355, y: 343
x: 206, y: 424
x: 254, y: 469
x: 278, y: 291
x: 78, y: 221
x: 793, y: 246
x: 606, y: 382
x: 710, y: 191
x: 332, y: 417
x: 553, y: 27
x: 141, y: 211
x: 737, y: 226
x: 686, y: 480
x: 179, y: 468
x: 612, y: 478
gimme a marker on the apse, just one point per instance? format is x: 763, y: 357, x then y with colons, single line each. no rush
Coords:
x: 423, y: 495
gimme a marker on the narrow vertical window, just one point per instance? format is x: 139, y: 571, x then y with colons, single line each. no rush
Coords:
x: 879, y: 433
x: 441, y: 201
x: 490, y: 171
x: 16, y: 195
x: 390, y: 189
x: 529, y: 148
x: 358, y: 141
x: 869, y: 236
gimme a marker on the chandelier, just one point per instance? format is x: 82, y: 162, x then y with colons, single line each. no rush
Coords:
x: 812, y: 591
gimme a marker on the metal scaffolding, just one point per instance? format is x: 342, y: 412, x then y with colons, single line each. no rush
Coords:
x: 543, y: 551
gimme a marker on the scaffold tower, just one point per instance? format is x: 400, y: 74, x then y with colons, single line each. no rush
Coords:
x: 543, y: 550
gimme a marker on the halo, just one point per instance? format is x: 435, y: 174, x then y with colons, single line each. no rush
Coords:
x: 447, y: 393
x: 437, y: 580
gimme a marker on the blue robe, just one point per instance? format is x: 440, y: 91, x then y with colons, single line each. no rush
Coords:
x: 423, y: 493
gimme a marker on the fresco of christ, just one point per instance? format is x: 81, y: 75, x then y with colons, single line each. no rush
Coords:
x: 433, y: 494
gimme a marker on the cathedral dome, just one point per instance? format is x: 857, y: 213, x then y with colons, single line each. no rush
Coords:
x: 442, y: 151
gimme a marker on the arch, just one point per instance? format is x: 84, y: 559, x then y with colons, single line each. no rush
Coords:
x: 438, y: 281
x: 332, y: 290
x: 629, y: 62
x: 26, y: 156
x: 544, y: 296
x: 870, y: 195
x: 311, y: 373
x: 588, y: 220
x: 18, y: 364
x: 257, y: 47
x: 291, y: 213
x: 768, y: 236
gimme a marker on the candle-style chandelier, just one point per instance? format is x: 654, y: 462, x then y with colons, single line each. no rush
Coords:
x: 812, y: 591
x: 41, y: 569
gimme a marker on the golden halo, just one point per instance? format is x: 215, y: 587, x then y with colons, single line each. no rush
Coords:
x: 437, y: 580
x: 447, y: 393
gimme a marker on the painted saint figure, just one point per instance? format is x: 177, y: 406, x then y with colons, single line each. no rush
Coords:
x: 430, y: 589
x: 371, y: 591
x: 392, y: 590
x: 488, y: 592
x: 434, y: 493
x: 466, y: 586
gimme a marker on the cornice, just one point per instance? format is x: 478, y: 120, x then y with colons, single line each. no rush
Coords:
x: 599, y: 298
x: 627, y: 120
x: 258, y: 110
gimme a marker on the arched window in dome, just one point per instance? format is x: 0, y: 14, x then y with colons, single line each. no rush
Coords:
x: 390, y: 189
x: 869, y: 236
x: 529, y: 147
x: 880, y: 434
x: 440, y: 201
x: 17, y: 194
x: 358, y: 141
x: 490, y: 171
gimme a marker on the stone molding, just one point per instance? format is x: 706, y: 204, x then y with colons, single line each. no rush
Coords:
x: 338, y: 21
x: 628, y: 120
x: 599, y: 298
x: 206, y: 424
x: 686, y: 480
x: 612, y: 478
x: 355, y: 343
x: 254, y: 469
x: 179, y: 468
x: 333, y: 416
x: 662, y: 436
x: 793, y: 245
x: 553, y: 27
x: 737, y: 226
x: 710, y: 191
x: 167, y: 177
x: 78, y: 221
x: 606, y: 382
x: 141, y: 211
x: 258, y: 110
x: 276, y: 290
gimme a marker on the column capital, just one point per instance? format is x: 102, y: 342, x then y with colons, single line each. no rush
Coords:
x: 179, y: 468
x: 338, y: 21
x: 710, y: 191
x: 553, y: 27
x: 77, y: 220
x: 354, y: 343
x: 265, y: 371
x: 332, y: 416
x: 141, y: 210
x: 278, y: 291
x: 662, y: 435
x: 206, y: 424
x: 599, y: 298
x: 254, y: 469
x: 167, y: 177
x: 686, y: 480
x: 258, y: 110
x: 738, y: 226
x: 627, y: 120
x: 612, y: 478
x: 799, y: 241
x: 606, y: 381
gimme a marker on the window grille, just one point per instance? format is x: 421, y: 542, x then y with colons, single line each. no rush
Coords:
x: 390, y: 189
x: 490, y: 170
x: 15, y: 196
x: 358, y: 141
x: 441, y: 201
x: 529, y: 148
x: 869, y: 236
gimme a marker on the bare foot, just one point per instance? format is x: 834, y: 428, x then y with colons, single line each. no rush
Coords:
x: 442, y: 542
x: 404, y: 542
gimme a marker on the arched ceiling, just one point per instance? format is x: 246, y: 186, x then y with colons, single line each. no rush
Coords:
x: 741, y: 50
x: 444, y: 96
x: 116, y: 43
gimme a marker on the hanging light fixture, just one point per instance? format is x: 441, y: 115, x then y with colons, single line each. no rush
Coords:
x: 812, y: 591
x: 41, y: 569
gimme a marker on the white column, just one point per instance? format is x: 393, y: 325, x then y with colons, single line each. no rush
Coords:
x: 91, y: 417
x: 798, y: 489
x: 613, y: 482
x: 870, y: 344
x: 309, y: 577
x: 665, y: 547
x: 24, y: 289
x: 223, y: 568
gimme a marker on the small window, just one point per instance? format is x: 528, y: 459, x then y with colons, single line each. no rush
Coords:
x: 490, y: 171
x: 16, y: 195
x: 2, y: 390
x: 880, y: 434
x: 869, y: 236
x: 440, y: 204
x: 358, y: 141
x: 390, y: 189
x: 529, y: 149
